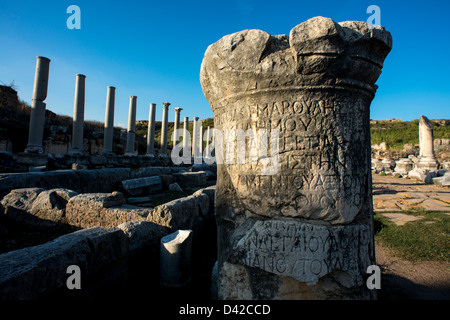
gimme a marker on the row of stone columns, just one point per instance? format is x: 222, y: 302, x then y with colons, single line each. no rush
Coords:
x: 37, y: 119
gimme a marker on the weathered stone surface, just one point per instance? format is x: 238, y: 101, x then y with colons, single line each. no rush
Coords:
x: 142, y: 185
x: 417, y: 174
x: 102, y: 210
x: 314, y: 90
x: 303, y: 251
x: 291, y: 85
x: 50, y: 205
x: 40, y: 270
x: 190, y: 179
x: 18, y: 203
x: 142, y: 235
x: 404, y: 165
x: 175, y: 187
x: 183, y: 213
x: 37, y: 208
x: 210, y: 192
x: 388, y: 164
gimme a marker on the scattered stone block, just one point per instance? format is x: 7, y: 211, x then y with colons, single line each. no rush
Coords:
x: 397, y: 175
x: 166, y: 180
x: 50, y: 205
x: 18, y: 203
x: 190, y: 179
x: 403, y: 166
x: 175, y: 187
x: 143, y: 236
x: 37, y: 208
x: 102, y: 210
x: 417, y: 174
x: 183, y: 213
x: 139, y: 186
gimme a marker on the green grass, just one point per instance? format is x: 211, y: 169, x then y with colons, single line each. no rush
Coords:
x: 396, y: 134
x: 427, y: 239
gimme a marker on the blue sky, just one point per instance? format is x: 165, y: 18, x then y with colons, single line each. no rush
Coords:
x: 153, y: 49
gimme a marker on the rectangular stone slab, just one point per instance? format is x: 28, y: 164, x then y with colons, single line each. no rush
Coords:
x: 302, y: 250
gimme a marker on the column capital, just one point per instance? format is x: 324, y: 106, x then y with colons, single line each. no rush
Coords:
x: 196, y: 118
x: 166, y: 104
x: 177, y: 109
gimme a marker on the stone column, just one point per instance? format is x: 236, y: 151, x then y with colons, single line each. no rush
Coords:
x: 200, y: 139
x: 109, y: 122
x: 304, y: 230
x: 186, y: 138
x: 151, y: 130
x: 427, y: 159
x: 176, y: 137
x: 208, y: 142
x: 164, y: 128
x: 78, y: 116
x: 175, y: 259
x: 37, y: 116
x: 131, y: 132
x: 195, y: 138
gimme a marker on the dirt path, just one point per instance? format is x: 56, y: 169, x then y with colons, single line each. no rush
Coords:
x: 402, y: 279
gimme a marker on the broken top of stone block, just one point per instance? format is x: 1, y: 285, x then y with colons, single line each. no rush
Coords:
x: 318, y: 51
x: 174, y: 239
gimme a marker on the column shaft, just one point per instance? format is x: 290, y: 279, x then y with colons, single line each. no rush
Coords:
x: 109, y: 121
x: 186, y: 138
x: 37, y: 116
x: 78, y: 116
x: 176, y: 136
x: 164, y: 128
x: 151, y: 130
x: 131, y: 132
x: 195, y: 138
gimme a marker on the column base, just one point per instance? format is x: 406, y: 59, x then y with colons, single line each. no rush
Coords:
x: 427, y: 164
